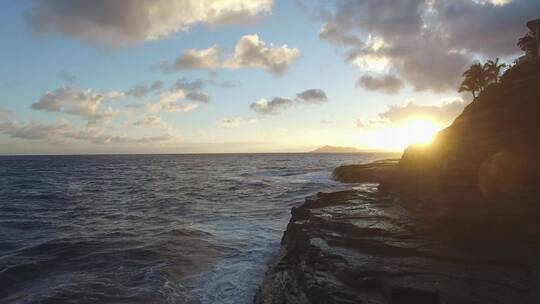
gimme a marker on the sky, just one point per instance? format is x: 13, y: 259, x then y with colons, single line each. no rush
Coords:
x: 225, y: 76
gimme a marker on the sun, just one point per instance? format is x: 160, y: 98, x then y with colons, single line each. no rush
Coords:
x: 398, y: 136
x: 419, y: 131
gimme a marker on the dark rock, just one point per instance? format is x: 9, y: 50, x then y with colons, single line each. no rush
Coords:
x: 491, y: 148
x: 363, y: 246
x: 376, y: 172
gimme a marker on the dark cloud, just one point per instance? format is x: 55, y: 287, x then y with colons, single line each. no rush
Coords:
x: 69, y: 78
x: 141, y: 90
x: 273, y: 107
x: 198, y: 96
x: 315, y: 96
x: 116, y: 23
x: 427, y: 44
x: 280, y: 104
x: 485, y: 28
x: 386, y: 83
x: 188, y: 85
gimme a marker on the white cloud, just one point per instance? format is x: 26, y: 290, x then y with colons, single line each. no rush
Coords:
x: 61, y: 131
x: 84, y: 103
x: 194, y: 59
x: 250, y: 53
x: 36, y: 131
x: 117, y: 23
x: 169, y: 102
x: 444, y: 113
x: 235, y: 122
x: 151, y: 121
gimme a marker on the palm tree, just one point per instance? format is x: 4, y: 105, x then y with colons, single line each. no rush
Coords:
x: 528, y: 44
x: 468, y: 85
x: 476, y: 79
x: 493, y: 70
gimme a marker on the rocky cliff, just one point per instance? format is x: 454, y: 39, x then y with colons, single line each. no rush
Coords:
x: 455, y: 222
x: 492, y: 147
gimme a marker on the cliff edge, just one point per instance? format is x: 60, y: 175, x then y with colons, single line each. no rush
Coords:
x: 492, y: 147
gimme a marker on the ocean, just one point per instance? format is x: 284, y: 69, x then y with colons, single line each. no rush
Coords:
x: 149, y: 228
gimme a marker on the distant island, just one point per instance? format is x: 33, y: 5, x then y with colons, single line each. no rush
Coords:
x: 333, y: 149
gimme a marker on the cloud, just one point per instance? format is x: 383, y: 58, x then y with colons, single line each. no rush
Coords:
x: 327, y: 122
x: 359, y: 123
x: 141, y: 90
x: 279, y: 104
x: 250, y: 52
x: 426, y: 44
x: 194, y: 59
x: 117, y: 23
x: 235, y: 122
x: 198, y: 96
x: 444, y: 113
x: 84, y: 103
x: 332, y: 34
x: 168, y: 102
x: 314, y: 96
x: 4, y: 113
x: 35, y: 131
x: 188, y: 85
x: 273, y: 107
x: 151, y: 121
x: 69, y: 78
x: 62, y: 131
x: 386, y: 83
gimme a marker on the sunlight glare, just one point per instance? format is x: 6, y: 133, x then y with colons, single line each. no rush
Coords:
x: 418, y: 131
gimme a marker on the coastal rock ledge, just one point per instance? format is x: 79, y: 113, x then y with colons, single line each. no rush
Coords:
x: 363, y: 246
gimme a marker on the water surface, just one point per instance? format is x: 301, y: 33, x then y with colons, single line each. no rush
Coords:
x: 149, y: 228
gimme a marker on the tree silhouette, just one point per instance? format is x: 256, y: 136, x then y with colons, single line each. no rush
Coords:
x: 468, y: 85
x: 476, y: 79
x: 492, y: 69
x: 528, y: 44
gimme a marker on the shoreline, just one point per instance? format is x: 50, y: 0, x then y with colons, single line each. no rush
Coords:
x: 371, y: 244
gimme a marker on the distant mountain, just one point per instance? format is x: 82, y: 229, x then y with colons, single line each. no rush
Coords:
x: 332, y: 149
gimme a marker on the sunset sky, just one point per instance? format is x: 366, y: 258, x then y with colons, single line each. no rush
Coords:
x: 186, y: 76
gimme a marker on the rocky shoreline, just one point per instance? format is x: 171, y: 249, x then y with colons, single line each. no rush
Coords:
x: 364, y: 246
x: 453, y: 222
